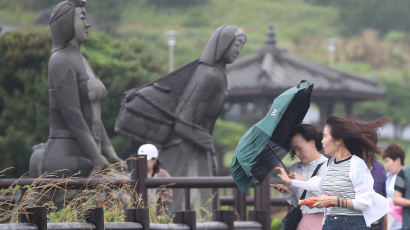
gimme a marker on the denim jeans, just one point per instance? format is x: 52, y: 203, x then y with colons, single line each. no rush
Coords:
x: 344, y: 223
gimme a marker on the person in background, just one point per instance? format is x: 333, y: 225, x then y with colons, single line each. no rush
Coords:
x: 379, y: 186
x: 393, y: 160
x: 159, y: 198
x: 306, y: 144
x: 347, y: 186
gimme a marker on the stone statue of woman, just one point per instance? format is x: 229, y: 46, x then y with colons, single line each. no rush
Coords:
x: 78, y: 141
x: 178, y: 111
x: 191, y: 152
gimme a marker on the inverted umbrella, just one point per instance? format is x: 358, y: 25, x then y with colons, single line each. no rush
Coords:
x: 263, y: 146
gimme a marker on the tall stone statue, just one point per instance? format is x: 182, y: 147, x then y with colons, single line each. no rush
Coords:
x: 179, y: 110
x: 78, y: 141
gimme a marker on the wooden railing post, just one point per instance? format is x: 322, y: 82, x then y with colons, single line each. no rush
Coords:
x: 187, y: 199
x: 224, y: 216
x: 262, y: 217
x: 142, y: 217
x: 215, y: 201
x: 262, y: 203
x: 138, y: 176
x: 265, y: 194
x: 96, y: 217
x: 138, y: 215
x: 130, y: 215
x: 240, y: 203
x: 186, y: 217
x: 35, y: 215
x: 257, y: 197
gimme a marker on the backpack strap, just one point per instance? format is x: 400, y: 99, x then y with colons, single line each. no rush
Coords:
x: 313, y: 174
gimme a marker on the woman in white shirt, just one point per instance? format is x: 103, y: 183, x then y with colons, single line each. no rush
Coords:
x: 347, y: 185
x: 306, y: 144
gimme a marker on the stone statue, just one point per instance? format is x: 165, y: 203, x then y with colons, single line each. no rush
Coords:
x: 78, y: 141
x: 179, y: 110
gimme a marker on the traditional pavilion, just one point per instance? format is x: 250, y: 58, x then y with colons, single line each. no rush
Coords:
x: 254, y: 81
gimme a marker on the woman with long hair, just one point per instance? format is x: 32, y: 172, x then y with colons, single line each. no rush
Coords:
x: 306, y: 144
x: 347, y: 186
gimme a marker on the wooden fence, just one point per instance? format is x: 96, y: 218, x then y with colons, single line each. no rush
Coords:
x: 259, y: 218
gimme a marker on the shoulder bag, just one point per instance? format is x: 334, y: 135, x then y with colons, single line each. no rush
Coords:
x: 292, y: 219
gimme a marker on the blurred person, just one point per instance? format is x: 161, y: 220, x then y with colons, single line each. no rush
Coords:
x: 379, y: 186
x: 394, y: 160
x: 379, y: 176
x: 347, y: 185
x: 159, y: 198
x: 306, y: 144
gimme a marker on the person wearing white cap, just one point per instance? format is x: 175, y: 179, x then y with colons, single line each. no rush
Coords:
x: 159, y: 197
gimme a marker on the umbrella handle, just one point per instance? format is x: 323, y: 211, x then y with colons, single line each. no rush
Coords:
x: 286, y: 169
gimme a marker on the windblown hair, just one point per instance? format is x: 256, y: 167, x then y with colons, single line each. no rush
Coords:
x: 394, y: 151
x: 359, y: 137
x: 308, y: 132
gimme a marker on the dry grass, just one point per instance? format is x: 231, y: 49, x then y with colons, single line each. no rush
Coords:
x: 70, y: 205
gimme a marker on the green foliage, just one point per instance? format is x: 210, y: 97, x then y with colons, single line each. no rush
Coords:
x: 395, y: 36
x: 227, y: 134
x: 382, y: 15
x: 394, y: 105
x: 65, y: 214
x: 196, y: 18
x: 106, y: 12
x: 196, y: 24
x: 175, y: 3
x: 23, y: 95
x: 159, y: 219
x: 275, y: 224
x: 114, y: 213
x: 121, y: 66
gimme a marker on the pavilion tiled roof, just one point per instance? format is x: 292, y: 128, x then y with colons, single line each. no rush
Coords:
x: 271, y: 71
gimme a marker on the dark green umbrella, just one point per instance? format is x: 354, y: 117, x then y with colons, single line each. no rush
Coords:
x: 263, y: 146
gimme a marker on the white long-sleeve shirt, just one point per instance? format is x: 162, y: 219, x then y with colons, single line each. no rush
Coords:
x: 306, y: 170
x: 373, y: 205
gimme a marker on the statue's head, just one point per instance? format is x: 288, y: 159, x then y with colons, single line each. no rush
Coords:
x: 224, y: 45
x: 68, y: 21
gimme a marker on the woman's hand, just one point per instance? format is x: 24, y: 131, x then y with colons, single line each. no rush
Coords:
x: 281, y: 188
x: 324, y: 201
x: 296, y: 176
x: 283, y: 176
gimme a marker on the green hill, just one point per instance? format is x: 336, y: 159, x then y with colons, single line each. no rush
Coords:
x: 294, y: 21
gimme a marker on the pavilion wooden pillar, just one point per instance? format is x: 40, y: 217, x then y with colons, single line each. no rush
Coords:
x: 326, y: 109
x: 262, y: 106
x: 349, y: 108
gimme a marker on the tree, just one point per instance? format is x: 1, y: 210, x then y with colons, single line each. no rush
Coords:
x: 226, y: 136
x: 382, y: 15
x: 23, y: 95
x: 395, y: 105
